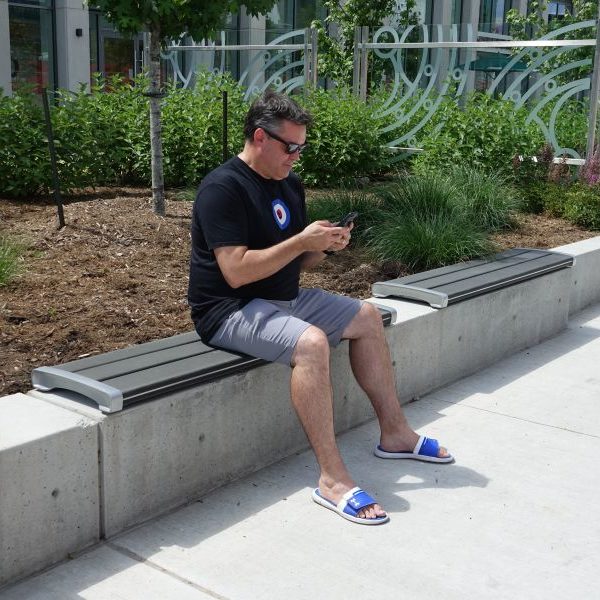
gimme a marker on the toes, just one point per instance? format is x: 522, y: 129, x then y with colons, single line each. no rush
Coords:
x: 371, y: 512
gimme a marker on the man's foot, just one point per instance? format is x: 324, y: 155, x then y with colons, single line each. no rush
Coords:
x: 334, y: 493
x: 426, y: 449
x: 352, y: 505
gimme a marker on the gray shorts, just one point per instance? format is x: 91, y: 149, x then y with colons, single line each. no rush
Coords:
x: 270, y: 329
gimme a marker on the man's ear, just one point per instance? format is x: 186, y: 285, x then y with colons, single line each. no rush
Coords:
x: 259, y: 135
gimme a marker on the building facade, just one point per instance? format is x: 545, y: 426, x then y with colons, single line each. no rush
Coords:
x: 61, y: 43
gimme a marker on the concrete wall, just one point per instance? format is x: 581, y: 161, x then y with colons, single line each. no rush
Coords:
x: 5, y: 66
x: 586, y: 273
x: 163, y: 453
x: 72, y: 51
x: 49, y: 484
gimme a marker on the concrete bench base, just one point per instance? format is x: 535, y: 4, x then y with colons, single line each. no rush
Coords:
x: 49, y: 484
x: 123, y: 468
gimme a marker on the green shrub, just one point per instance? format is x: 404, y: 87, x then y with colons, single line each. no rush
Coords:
x: 571, y: 123
x: 553, y: 198
x: 91, y: 133
x: 582, y: 207
x: 485, y: 134
x: 344, y: 143
x: 193, y: 127
x: 10, y: 255
x: 533, y: 194
x: 103, y: 138
x: 24, y: 157
x: 425, y: 225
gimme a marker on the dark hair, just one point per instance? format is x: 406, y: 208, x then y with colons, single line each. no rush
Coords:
x: 270, y: 109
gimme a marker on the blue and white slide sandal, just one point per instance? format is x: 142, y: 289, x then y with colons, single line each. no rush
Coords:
x: 427, y: 450
x: 350, y: 505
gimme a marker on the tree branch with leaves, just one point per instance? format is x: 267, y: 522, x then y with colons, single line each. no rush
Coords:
x: 168, y: 20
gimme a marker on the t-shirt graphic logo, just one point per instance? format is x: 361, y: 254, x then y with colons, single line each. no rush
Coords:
x: 281, y: 213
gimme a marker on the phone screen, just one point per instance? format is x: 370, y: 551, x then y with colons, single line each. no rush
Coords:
x: 345, y: 221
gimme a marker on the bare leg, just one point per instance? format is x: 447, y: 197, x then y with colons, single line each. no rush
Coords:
x: 313, y: 402
x: 372, y: 367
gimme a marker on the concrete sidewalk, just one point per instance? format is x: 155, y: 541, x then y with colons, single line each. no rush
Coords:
x: 515, y: 517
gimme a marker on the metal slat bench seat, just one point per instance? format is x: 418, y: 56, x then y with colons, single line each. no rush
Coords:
x: 447, y: 285
x: 118, y: 379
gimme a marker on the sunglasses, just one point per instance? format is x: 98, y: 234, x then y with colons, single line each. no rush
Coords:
x: 290, y: 147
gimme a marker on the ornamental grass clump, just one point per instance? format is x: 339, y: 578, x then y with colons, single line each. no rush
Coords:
x: 487, y: 198
x: 10, y: 260
x: 425, y: 225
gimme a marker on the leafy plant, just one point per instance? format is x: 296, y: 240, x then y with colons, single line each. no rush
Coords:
x: 582, y: 207
x: 485, y: 134
x: 193, y: 127
x: 553, y: 198
x: 24, y: 158
x: 344, y: 143
x: 335, y: 58
x: 533, y: 25
x: 571, y: 124
x: 10, y: 257
x: 91, y: 132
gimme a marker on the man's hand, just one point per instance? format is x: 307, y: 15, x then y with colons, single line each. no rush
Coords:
x: 241, y: 266
x: 323, y: 235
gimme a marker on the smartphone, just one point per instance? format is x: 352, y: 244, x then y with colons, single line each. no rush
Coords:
x: 345, y: 221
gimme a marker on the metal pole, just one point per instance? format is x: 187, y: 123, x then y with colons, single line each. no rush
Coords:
x: 306, y: 60
x: 225, y: 144
x: 356, y: 63
x: 364, y: 62
x: 55, y: 182
x: 314, y: 47
x: 594, y: 93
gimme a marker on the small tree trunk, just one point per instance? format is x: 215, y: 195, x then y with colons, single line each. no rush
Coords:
x: 158, y: 187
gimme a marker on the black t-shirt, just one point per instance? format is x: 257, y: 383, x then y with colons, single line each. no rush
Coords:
x: 235, y: 206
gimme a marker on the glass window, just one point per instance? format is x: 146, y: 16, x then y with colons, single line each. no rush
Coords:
x: 37, y: 3
x: 112, y: 53
x: 492, y: 16
x: 557, y: 10
x: 94, y: 53
x: 457, y: 12
x: 31, y: 48
x: 306, y: 11
x: 280, y: 19
x: 232, y: 38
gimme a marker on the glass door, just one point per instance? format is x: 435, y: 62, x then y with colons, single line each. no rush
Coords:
x: 112, y: 53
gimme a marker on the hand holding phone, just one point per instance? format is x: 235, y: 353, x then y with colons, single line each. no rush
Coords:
x: 347, y: 219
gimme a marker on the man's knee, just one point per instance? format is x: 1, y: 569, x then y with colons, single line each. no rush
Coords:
x: 312, y: 346
x: 367, y: 322
x: 372, y: 315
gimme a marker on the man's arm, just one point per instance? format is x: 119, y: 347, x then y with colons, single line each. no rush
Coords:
x: 241, y: 266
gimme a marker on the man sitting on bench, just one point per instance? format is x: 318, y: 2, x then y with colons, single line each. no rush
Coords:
x: 250, y: 240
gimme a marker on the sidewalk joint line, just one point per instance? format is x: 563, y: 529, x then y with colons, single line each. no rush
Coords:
x: 153, y: 565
